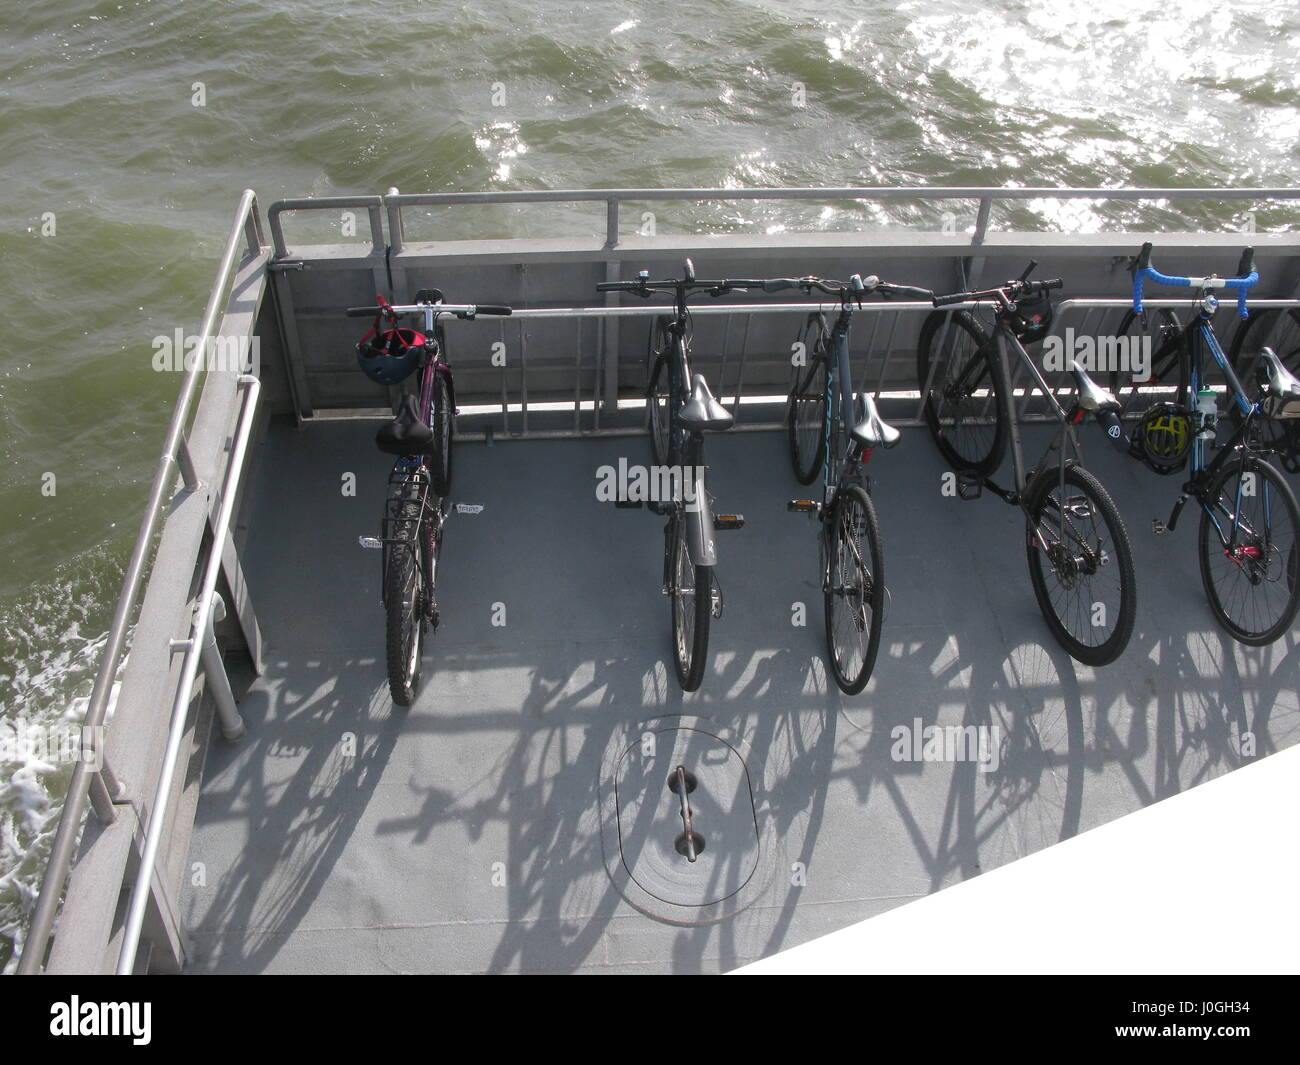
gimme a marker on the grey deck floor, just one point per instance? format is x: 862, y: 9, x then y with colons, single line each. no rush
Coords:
x: 464, y: 835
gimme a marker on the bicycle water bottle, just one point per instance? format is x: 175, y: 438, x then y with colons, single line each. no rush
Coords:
x: 1206, y: 406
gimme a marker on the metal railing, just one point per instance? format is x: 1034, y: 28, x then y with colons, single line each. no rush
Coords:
x: 99, y: 786
x: 879, y: 336
x: 200, y: 631
x: 984, y: 197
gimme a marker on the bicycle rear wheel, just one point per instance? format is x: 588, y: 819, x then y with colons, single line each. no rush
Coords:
x: 1254, y: 585
x: 691, y: 592
x: 960, y: 377
x: 404, y: 597
x: 1082, y: 572
x: 856, y: 589
x: 806, y: 419
x: 1136, y: 394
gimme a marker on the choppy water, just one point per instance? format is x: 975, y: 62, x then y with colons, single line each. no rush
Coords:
x: 325, y: 97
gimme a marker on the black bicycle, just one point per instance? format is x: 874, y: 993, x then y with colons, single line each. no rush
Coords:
x: 1249, y: 515
x: 420, y: 435
x: 680, y: 410
x: 1080, y: 559
x: 830, y: 433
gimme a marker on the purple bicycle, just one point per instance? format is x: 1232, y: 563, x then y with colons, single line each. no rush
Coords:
x: 420, y: 436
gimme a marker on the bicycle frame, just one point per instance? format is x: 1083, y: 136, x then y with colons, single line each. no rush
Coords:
x: 1066, y: 442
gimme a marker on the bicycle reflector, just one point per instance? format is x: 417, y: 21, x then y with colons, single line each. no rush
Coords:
x: 1164, y: 439
x: 390, y: 356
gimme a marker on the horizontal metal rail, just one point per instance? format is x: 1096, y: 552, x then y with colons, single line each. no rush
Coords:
x: 984, y: 197
x: 85, y: 782
x: 200, y: 627
x: 523, y: 407
x: 372, y: 204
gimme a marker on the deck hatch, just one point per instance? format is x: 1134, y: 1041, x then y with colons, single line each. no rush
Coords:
x: 653, y: 815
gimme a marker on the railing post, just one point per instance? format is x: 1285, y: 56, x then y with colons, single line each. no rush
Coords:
x: 982, y: 221
x: 396, y: 235
x: 611, y: 222
x: 214, y: 671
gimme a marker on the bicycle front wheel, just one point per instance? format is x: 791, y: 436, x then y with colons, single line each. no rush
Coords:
x: 441, y: 424
x: 658, y: 394
x: 807, y: 405
x: 691, y: 592
x: 404, y: 600
x: 1081, y: 565
x: 855, y: 589
x: 1249, y: 551
x: 960, y: 377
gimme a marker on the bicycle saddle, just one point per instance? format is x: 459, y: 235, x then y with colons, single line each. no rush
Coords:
x: 872, y: 430
x: 1283, y: 399
x: 1092, y: 397
x: 702, y: 413
x: 406, y: 434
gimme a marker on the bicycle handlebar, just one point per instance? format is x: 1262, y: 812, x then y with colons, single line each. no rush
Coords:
x: 460, y: 310
x: 1247, y: 278
x: 1009, y: 292
x: 856, y: 285
x: 644, y: 286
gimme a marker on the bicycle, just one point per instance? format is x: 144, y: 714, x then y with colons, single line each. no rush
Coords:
x: 830, y: 432
x: 1074, y: 535
x: 420, y: 436
x: 1249, y: 516
x: 680, y: 410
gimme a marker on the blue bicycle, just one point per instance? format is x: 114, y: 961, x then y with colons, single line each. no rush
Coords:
x: 1250, y: 562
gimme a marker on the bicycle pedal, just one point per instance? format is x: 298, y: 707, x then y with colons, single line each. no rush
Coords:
x: 969, y: 486
x: 1158, y: 527
x: 728, y: 521
x: 469, y: 508
x: 804, y: 506
x: 628, y: 504
x: 371, y: 543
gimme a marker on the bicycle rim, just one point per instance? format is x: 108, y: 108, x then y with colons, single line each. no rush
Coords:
x: 855, y: 591
x: 691, y: 594
x: 957, y: 360
x: 1081, y: 566
x: 1248, y: 549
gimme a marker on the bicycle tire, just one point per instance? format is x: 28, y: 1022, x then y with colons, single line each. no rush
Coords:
x: 806, y: 408
x: 852, y: 678
x: 442, y: 424
x: 1169, y: 356
x: 978, y: 363
x: 1067, y: 570
x: 658, y: 395
x: 690, y: 621
x: 1211, y: 547
x: 404, y: 602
